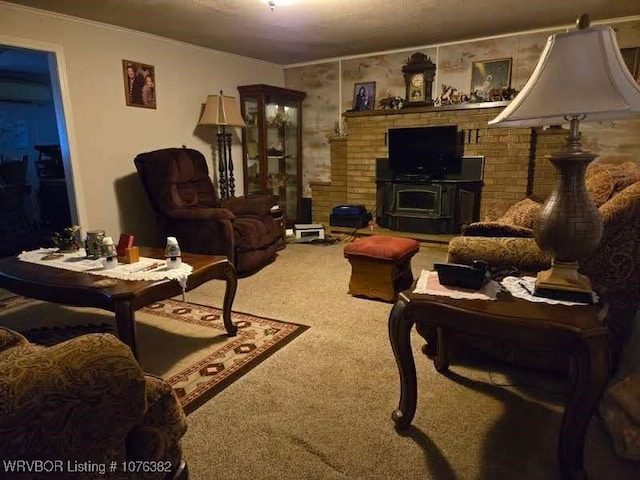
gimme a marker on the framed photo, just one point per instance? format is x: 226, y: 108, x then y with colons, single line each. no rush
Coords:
x: 364, y: 96
x: 139, y: 84
x: 487, y: 75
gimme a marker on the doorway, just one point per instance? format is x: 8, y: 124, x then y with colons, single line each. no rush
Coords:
x: 34, y: 179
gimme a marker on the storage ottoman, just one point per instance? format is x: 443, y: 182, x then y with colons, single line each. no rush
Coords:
x: 380, y: 266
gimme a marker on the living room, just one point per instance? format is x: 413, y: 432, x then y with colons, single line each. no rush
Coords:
x: 320, y: 407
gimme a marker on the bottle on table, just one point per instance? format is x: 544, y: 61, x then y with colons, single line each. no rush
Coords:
x: 172, y: 253
x: 109, y: 254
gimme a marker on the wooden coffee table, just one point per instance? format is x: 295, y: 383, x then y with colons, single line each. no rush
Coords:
x: 123, y: 297
x: 577, y: 330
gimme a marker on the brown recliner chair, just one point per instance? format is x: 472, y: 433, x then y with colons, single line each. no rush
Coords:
x: 187, y: 207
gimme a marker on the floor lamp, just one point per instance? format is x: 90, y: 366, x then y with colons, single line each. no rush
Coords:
x: 223, y: 112
x: 581, y: 76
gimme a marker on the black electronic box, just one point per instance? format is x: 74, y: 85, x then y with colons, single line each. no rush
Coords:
x: 351, y: 216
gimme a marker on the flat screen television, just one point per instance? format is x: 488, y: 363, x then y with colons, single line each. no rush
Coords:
x: 429, y: 152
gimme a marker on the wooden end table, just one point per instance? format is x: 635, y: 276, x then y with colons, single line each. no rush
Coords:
x: 123, y: 297
x: 577, y: 330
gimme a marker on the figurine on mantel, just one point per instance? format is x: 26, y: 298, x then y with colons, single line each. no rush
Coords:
x: 340, y: 132
x: 451, y: 96
x: 391, y: 103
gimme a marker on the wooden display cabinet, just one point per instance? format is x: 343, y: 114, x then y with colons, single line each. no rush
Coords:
x: 272, y: 145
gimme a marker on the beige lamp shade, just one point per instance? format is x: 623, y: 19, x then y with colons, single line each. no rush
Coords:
x: 580, y: 73
x: 221, y: 110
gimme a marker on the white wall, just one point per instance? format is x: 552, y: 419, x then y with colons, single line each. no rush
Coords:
x: 107, y: 133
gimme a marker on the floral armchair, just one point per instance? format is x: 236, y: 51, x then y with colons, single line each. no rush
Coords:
x: 614, y: 269
x: 85, y: 401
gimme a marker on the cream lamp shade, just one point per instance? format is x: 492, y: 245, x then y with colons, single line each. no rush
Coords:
x: 221, y: 110
x: 580, y: 74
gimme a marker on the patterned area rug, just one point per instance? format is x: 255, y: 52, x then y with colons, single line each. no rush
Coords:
x: 182, y: 342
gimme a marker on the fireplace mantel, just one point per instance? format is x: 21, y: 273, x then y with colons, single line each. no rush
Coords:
x: 514, y: 165
x: 445, y: 108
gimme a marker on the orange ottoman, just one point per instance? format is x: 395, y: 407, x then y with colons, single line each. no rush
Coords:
x: 380, y: 266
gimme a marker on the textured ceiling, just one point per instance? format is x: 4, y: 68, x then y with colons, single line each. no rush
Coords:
x: 306, y: 30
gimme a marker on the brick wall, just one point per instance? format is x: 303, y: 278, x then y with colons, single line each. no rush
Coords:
x: 547, y: 141
x: 514, y: 157
x: 327, y: 195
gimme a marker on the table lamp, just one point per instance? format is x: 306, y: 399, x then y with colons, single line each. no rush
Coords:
x: 581, y: 76
x: 222, y: 111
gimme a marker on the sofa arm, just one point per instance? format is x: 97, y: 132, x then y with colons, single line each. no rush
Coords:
x: 498, y: 252
x: 10, y: 339
x: 256, y: 205
x: 157, y: 438
x: 495, y: 229
x: 77, y: 400
x: 208, y: 231
x: 614, y: 269
x: 621, y: 211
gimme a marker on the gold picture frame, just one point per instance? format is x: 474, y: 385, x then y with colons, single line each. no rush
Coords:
x: 139, y: 84
x: 490, y: 75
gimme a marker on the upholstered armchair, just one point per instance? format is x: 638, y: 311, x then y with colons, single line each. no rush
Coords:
x: 614, y: 269
x: 84, y: 401
x: 187, y: 207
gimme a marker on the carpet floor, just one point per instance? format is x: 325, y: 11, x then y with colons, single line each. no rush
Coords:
x: 182, y: 342
x: 321, y: 407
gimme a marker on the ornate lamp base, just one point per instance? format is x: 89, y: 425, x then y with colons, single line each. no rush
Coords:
x: 569, y: 226
x: 563, y: 282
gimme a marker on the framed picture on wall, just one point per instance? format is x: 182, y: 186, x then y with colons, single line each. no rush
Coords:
x: 488, y: 75
x: 139, y: 84
x: 364, y: 96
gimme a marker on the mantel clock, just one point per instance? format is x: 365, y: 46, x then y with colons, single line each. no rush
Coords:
x: 419, y: 73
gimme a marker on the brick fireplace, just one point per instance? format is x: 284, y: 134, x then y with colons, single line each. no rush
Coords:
x: 514, y: 157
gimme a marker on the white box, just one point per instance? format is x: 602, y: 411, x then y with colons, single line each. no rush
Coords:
x: 309, y: 230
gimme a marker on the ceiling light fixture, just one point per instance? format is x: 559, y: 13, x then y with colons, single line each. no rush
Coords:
x: 272, y: 4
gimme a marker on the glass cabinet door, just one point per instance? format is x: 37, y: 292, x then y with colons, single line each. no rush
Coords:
x: 282, y: 153
x: 251, y: 151
x: 272, y: 145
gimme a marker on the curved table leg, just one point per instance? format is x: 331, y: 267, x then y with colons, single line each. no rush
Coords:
x: 231, y: 278
x: 399, y: 336
x: 590, y: 368
x: 126, y: 324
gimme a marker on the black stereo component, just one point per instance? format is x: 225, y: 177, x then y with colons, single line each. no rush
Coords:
x: 420, y: 224
x: 348, y: 210
x: 305, y: 210
x: 350, y: 220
